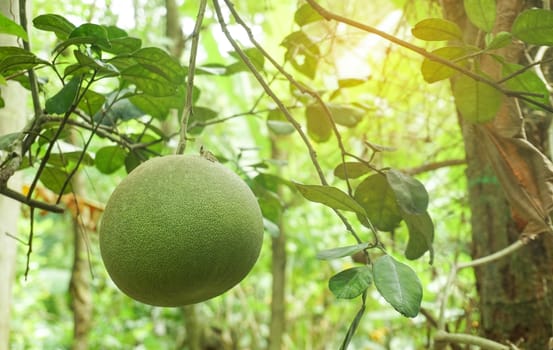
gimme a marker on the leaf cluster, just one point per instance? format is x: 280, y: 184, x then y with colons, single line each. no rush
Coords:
x: 478, y: 100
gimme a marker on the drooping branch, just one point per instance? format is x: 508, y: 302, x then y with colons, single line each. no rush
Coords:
x: 270, y: 93
x: 301, y: 87
x: 283, y: 109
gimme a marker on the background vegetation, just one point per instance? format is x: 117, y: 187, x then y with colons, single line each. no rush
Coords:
x: 385, y: 110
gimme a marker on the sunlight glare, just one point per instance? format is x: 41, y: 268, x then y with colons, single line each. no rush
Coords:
x: 353, y: 63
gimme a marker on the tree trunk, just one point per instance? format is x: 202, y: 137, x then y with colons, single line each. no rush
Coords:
x: 12, y: 119
x: 79, y: 285
x: 516, y: 292
x: 278, y: 271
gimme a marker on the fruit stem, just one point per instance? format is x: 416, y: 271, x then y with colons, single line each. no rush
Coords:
x: 187, y: 110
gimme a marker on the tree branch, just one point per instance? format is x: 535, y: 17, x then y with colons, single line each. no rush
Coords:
x: 477, y: 262
x: 517, y: 94
x: 483, y: 343
x: 283, y: 108
x: 187, y: 110
x: 29, y: 201
x: 495, y: 256
x: 434, y: 166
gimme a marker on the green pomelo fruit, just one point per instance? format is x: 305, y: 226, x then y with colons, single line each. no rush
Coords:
x: 180, y: 230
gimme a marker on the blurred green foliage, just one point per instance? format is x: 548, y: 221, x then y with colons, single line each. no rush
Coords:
x: 400, y: 111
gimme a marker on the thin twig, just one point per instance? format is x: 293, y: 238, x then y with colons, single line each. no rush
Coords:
x: 30, y: 242
x: 270, y: 93
x: 187, y: 110
x: 282, y: 108
x: 304, y: 89
x: 476, y: 262
x: 53, y: 142
x: 27, y: 46
x: 495, y: 256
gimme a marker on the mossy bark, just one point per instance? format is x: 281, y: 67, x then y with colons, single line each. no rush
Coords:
x: 516, y: 292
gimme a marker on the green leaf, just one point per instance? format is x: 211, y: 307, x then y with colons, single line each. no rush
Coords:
x: 7, y: 26
x: 8, y: 51
x: 161, y: 63
x: 54, y: 23
x: 125, y: 45
x: 353, y: 170
x: 351, y: 82
x: 350, y: 283
x: 331, y: 197
x: 62, y: 102
x: 398, y: 284
x: 433, y: 71
x: 149, y: 82
x: 272, y: 182
x: 63, y: 159
x: 534, y: 26
x: 376, y: 196
x: 271, y: 206
x: 133, y: 159
x: 200, y: 115
x: 421, y: 235
x: 53, y: 179
x: 93, y: 33
x: 526, y: 81
x: 481, y: 13
x: 346, y: 115
x: 120, y: 42
x: 254, y: 55
x: 110, y: 158
x: 277, y: 123
x: 478, y: 102
x: 437, y: 29
x: 8, y: 140
x: 336, y: 253
x: 500, y: 40
x: 92, y: 102
x: 305, y: 14
x: 15, y: 59
x: 102, y: 68
x: 49, y: 132
x: 410, y: 193
x: 319, y: 127
x: 159, y: 107
x: 120, y: 110
x: 302, y: 52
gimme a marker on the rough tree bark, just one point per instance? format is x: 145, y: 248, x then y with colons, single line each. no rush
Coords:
x: 12, y: 119
x: 516, y: 292
x: 79, y: 285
